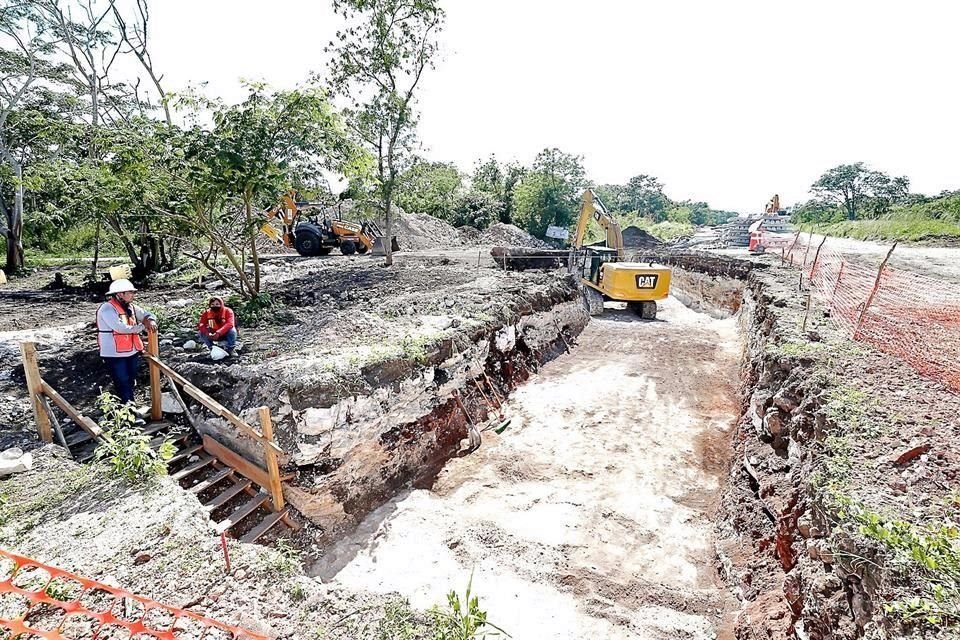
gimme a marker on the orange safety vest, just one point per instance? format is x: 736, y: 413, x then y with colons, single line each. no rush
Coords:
x: 123, y: 342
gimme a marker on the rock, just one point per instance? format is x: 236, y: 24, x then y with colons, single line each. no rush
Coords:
x: 803, y: 526
x: 169, y: 336
x: 239, y: 574
x: 180, y: 303
x: 910, y: 454
x: 773, y: 422
x: 14, y: 460
x: 166, y: 342
x: 169, y: 404
x: 193, y: 459
x: 785, y: 402
x: 189, y: 345
x: 142, y: 558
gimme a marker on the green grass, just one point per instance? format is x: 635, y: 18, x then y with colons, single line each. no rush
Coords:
x: 895, y: 228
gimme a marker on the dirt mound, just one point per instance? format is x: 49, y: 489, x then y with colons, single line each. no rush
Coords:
x: 418, y: 231
x: 508, y: 234
x: 637, y: 237
x: 469, y: 235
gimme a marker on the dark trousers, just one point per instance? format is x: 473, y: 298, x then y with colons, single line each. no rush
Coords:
x: 123, y: 370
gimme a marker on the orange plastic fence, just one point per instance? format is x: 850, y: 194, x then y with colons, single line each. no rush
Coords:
x: 912, y: 316
x: 40, y: 601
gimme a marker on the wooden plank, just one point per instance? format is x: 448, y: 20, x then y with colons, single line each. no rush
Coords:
x: 242, y: 511
x: 153, y: 349
x: 243, y: 466
x: 85, y: 423
x: 254, y: 534
x: 78, y: 437
x: 213, y: 405
x: 196, y: 466
x: 31, y: 371
x: 222, y: 474
x: 273, y: 467
x: 227, y: 495
x: 185, y: 454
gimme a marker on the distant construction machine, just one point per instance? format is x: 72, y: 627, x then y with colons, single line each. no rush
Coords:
x: 604, y: 273
x: 318, y: 236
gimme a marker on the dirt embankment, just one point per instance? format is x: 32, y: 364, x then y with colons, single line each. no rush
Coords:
x: 837, y: 444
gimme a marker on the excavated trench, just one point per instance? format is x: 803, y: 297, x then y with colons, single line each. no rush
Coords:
x: 592, y: 514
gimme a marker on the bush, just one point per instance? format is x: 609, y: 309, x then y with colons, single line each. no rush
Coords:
x: 125, y: 447
x: 464, y: 619
x: 252, y: 311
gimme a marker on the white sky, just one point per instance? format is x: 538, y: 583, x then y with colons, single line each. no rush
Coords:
x: 724, y: 101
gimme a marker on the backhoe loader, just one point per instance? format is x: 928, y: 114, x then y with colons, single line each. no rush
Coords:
x: 317, y: 236
x: 604, y: 273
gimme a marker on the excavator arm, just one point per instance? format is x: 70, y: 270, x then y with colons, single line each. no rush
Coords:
x: 592, y: 207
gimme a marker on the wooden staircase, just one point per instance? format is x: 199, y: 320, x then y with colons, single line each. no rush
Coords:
x: 245, y: 500
x: 233, y: 491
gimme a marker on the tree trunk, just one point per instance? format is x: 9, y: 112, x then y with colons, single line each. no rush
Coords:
x: 15, y: 225
x: 252, y: 230
x: 388, y: 225
x: 96, y: 250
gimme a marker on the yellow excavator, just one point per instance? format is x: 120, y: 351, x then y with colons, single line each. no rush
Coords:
x: 604, y: 273
x: 318, y: 237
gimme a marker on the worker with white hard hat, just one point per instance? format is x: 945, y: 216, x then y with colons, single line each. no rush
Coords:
x: 119, y: 325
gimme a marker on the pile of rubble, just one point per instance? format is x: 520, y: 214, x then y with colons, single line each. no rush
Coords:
x: 510, y: 235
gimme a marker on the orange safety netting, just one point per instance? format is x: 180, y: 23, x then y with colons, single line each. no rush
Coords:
x: 906, y: 314
x: 40, y: 601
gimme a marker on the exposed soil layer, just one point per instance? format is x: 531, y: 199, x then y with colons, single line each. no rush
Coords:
x: 833, y: 435
x: 590, y: 515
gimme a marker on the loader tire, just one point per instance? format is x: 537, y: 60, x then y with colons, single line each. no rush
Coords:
x: 361, y: 248
x: 308, y: 244
x: 348, y: 247
x: 648, y: 310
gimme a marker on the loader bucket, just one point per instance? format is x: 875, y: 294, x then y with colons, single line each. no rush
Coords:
x: 378, y: 249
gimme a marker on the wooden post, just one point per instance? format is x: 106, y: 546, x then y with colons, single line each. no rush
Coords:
x: 806, y: 314
x: 273, y: 467
x: 153, y: 348
x: 34, y: 387
x: 873, y: 292
x: 816, y: 257
x: 836, y: 285
x: 792, y: 245
x: 807, y: 252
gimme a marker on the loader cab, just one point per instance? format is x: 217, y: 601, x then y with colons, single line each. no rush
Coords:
x: 591, y: 262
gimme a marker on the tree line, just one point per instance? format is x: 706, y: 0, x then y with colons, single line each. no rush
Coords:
x: 545, y: 193
x: 170, y: 175
x: 858, y: 192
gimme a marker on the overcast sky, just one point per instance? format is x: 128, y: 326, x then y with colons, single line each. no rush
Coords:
x: 724, y: 101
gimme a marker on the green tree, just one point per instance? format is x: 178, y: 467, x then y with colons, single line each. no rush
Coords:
x: 549, y: 193
x: 498, y: 181
x: 476, y: 209
x: 644, y: 194
x: 378, y: 61
x: 430, y: 187
x: 851, y: 186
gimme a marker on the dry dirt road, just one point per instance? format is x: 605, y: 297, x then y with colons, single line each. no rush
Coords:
x: 590, y: 516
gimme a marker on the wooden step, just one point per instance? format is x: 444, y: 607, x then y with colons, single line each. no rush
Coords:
x: 196, y: 466
x: 156, y: 442
x: 242, y: 511
x: 78, y: 437
x: 152, y: 428
x: 254, y: 534
x: 212, y: 480
x: 225, y: 497
x: 185, y: 454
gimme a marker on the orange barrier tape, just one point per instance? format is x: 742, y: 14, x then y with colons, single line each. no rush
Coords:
x: 40, y: 601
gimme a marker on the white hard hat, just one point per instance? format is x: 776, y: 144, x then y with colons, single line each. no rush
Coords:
x: 120, y: 286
